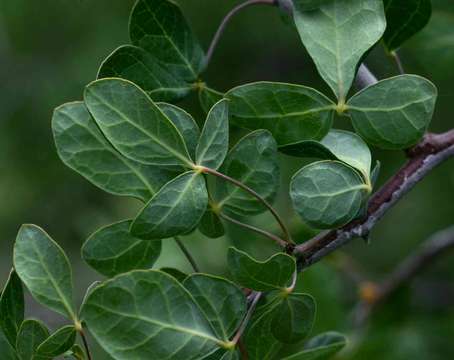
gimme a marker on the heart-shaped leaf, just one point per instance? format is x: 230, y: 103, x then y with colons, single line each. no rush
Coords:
x: 294, y: 318
x: 222, y: 302
x: 211, y: 225
x: 31, y: 334
x: 113, y: 250
x: 327, y: 194
x: 404, y: 19
x: 254, y: 162
x: 214, y: 140
x: 44, y: 269
x: 320, y: 347
x: 292, y: 113
x: 273, y: 273
x: 176, y: 209
x: 59, y: 342
x: 394, y: 113
x: 159, y: 27
x: 154, y: 317
x: 12, y: 308
x: 337, y: 35
x: 208, y: 97
x: 134, y: 124
x: 83, y: 148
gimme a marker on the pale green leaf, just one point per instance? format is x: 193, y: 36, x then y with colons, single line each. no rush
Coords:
x: 254, y: 162
x: 222, y: 302
x: 31, y: 334
x: 12, y: 308
x: 292, y: 113
x: 134, y: 124
x: 394, y: 113
x: 214, y: 140
x: 208, y: 97
x: 44, y: 269
x: 327, y: 194
x: 273, y: 273
x: 320, y: 347
x: 83, y: 148
x: 337, y: 35
x: 176, y: 209
x: 211, y: 225
x: 148, y: 315
x: 58, y: 343
x: 113, y: 250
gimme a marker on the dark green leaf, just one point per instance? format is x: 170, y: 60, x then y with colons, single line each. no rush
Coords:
x: 214, y: 140
x: 254, y: 162
x: 176, y: 209
x: 159, y: 27
x: 337, y: 35
x: 273, y: 273
x: 177, y: 274
x: 134, y: 124
x: 31, y: 334
x: 76, y: 352
x: 375, y: 173
x: 208, y: 97
x: 292, y: 113
x: 222, y: 302
x: 44, y: 269
x: 294, y: 318
x: 327, y: 194
x: 404, y: 19
x: 6, y: 349
x: 113, y: 250
x: 154, y: 317
x: 58, y: 343
x: 320, y: 347
x: 394, y: 113
x: 12, y: 308
x: 305, y: 5
x: 83, y: 148
x: 211, y: 225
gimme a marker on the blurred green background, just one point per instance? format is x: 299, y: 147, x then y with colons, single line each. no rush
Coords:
x: 50, y: 49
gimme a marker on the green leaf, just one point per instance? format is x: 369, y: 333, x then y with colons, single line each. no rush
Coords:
x: 254, y: 162
x: 208, y: 97
x: 305, y: 5
x: 294, y: 318
x: 375, y: 173
x: 185, y: 124
x: 159, y: 27
x: 320, y: 347
x: 222, y: 354
x: 404, y: 19
x: 214, y: 140
x: 222, y: 302
x: 12, y: 308
x: 292, y: 113
x: 394, y: 113
x: 177, y: 274
x: 337, y: 35
x: 83, y: 148
x: 142, y: 68
x: 6, y: 349
x: 134, y: 124
x: 44, y: 269
x: 154, y: 317
x: 31, y: 334
x: 176, y: 209
x: 76, y: 352
x: 273, y: 273
x: 113, y: 250
x: 211, y: 225
x: 58, y: 343
x: 327, y: 194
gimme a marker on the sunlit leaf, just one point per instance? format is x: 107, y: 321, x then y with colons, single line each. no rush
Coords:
x: 12, y: 308
x: 31, y: 334
x: 58, y: 343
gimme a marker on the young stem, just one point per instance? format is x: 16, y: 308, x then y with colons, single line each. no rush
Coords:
x: 187, y: 254
x: 288, y: 238
x: 85, y: 342
x: 247, y: 318
x: 399, y: 64
x: 265, y: 233
x: 226, y: 20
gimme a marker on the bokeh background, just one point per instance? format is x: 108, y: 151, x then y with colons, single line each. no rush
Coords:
x: 50, y: 49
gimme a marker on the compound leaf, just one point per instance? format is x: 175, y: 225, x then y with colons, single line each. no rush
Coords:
x: 176, y: 209
x: 44, y: 269
x: 337, y: 35
x: 113, y: 250
x: 394, y: 113
x: 12, y: 308
x: 291, y: 113
x: 327, y: 194
x: 320, y: 347
x: 154, y: 317
x: 134, y: 124
x: 31, y: 334
x: 273, y: 273
x: 58, y: 343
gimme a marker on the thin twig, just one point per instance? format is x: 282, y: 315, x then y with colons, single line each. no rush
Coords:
x: 226, y: 20
x: 186, y: 253
x: 265, y: 233
x: 247, y: 318
x: 85, y: 342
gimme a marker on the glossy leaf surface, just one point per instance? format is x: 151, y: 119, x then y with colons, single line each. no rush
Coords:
x: 12, y: 308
